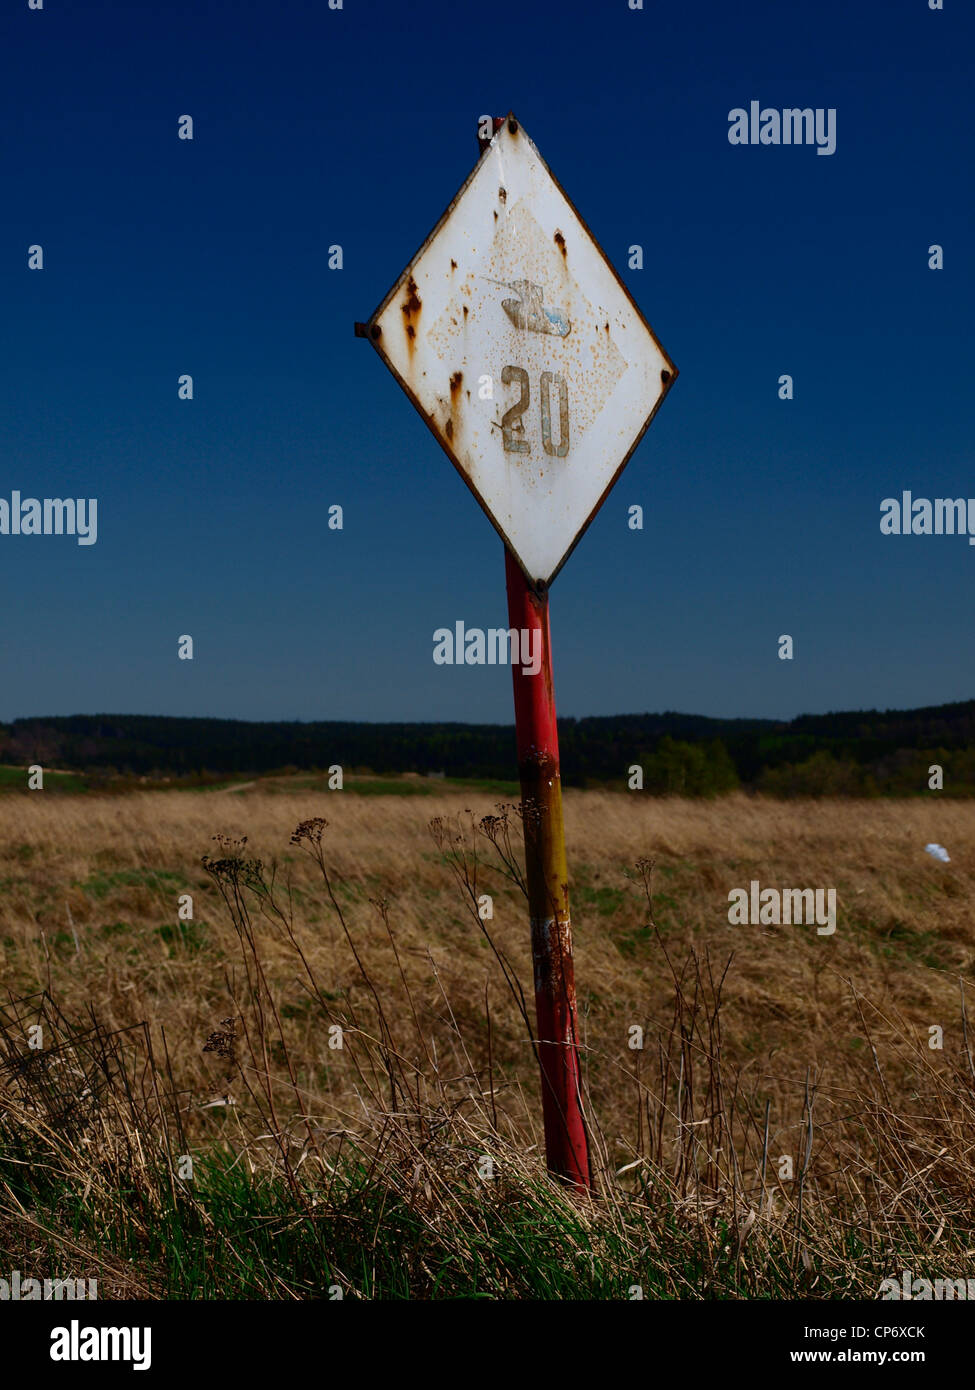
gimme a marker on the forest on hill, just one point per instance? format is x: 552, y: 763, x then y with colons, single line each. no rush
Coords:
x: 862, y: 752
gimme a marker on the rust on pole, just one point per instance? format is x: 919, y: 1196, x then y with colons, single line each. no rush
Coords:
x: 547, y: 879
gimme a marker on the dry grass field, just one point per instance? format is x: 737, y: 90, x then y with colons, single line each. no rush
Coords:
x: 762, y: 1045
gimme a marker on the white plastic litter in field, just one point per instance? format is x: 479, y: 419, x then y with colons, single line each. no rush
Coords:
x: 938, y: 852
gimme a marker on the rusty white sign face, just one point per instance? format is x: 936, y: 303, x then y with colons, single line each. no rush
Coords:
x: 523, y: 351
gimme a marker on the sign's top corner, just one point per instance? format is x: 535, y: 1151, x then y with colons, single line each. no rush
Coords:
x: 501, y: 125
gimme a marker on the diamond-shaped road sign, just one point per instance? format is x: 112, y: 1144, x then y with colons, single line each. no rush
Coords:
x: 522, y: 349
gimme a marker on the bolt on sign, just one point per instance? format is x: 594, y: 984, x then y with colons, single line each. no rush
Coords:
x: 521, y: 348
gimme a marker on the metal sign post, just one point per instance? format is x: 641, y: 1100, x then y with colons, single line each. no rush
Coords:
x: 547, y: 877
x: 528, y: 359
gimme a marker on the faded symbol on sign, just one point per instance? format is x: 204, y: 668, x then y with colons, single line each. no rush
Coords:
x: 529, y: 311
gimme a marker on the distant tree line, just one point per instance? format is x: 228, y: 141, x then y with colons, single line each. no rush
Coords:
x: 858, y: 753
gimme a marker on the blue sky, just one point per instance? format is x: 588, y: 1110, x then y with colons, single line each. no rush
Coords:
x: 314, y: 127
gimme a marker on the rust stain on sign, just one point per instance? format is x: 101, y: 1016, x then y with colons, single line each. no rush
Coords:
x: 411, y: 310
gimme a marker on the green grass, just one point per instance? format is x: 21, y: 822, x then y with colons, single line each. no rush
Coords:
x: 115, y: 929
x: 896, y: 940
x: 14, y: 779
x: 100, y: 885
x: 427, y: 786
x: 229, y: 1235
x: 182, y: 937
